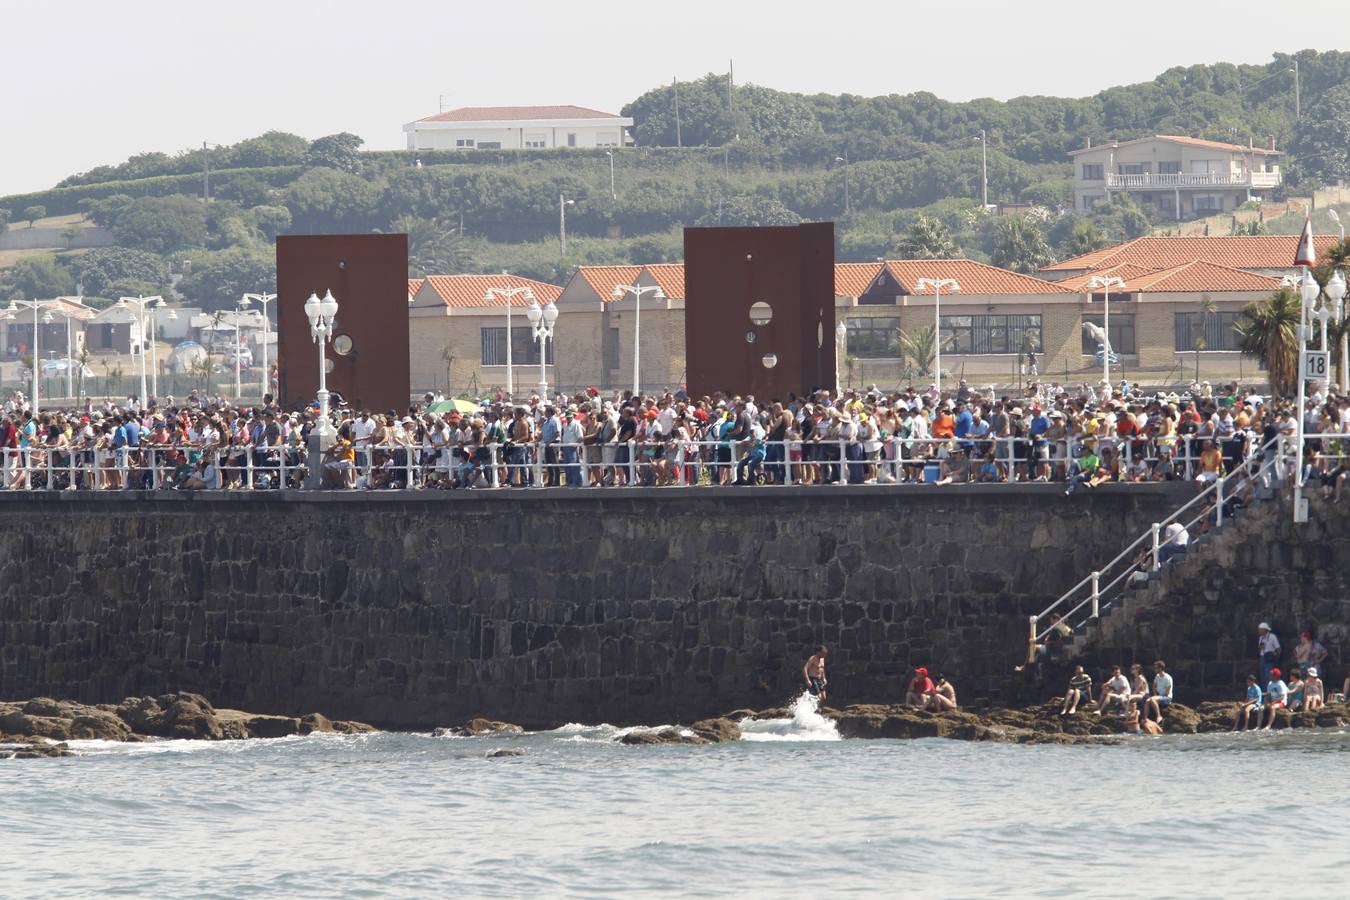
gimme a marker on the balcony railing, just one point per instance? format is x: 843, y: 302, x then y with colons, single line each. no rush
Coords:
x: 1194, y: 180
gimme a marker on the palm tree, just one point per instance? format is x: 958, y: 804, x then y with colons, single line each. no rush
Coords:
x: 928, y: 238
x: 1085, y: 238
x: 1020, y: 245
x: 1207, y: 308
x: 1269, y: 332
x: 919, y: 347
x: 434, y: 248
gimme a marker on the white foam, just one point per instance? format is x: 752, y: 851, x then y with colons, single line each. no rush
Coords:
x: 806, y: 724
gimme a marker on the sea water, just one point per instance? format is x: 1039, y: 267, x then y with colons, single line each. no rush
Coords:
x: 790, y: 810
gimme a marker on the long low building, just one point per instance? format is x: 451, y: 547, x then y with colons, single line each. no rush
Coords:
x: 1172, y: 318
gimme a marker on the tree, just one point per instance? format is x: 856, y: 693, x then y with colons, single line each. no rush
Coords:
x: 434, y: 248
x: 103, y: 266
x: 38, y: 276
x: 245, y: 189
x: 1207, y: 309
x: 1252, y: 228
x: 270, y: 220
x: 33, y: 213
x: 162, y: 224
x: 1269, y: 332
x: 1320, y: 147
x: 920, y: 348
x: 4, y: 220
x: 1085, y: 238
x: 218, y: 280
x: 751, y: 211
x: 1020, y: 245
x: 928, y: 238
x: 327, y: 201
x: 335, y: 151
x: 71, y: 234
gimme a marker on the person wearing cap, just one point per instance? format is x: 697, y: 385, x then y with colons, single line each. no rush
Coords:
x: 1314, y: 692
x: 573, y: 432
x: 1267, y: 650
x: 1276, y: 699
x: 920, y: 688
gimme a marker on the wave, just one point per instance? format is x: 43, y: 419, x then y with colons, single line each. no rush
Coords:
x: 576, y: 733
x: 806, y: 724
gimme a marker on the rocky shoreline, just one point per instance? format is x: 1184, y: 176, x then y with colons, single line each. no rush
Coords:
x: 40, y: 727
x: 1033, y: 725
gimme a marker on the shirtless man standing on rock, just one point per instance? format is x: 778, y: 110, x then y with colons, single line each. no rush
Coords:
x: 814, y: 672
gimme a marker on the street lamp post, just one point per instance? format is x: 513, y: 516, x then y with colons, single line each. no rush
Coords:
x: 1104, y: 284
x: 1308, y: 291
x: 637, y: 291
x: 263, y: 299
x: 613, y: 194
x: 563, y: 203
x: 321, y: 314
x: 937, y: 284
x: 984, y: 169
x: 1335, y: 290
x: 508, y: 294
x: 840, y: 351
x: 140, y: 303
x: 238, y: 349
x: 542, y: 319
x: 844, y: 159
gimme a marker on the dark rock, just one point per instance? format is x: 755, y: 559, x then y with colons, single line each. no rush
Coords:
x: 668, y: 735
x: 718, y: 730
x: 272, y: 726
x: 316, y: 722
x: 345, y: 727
x: 481, y: 727
x: 498, y: 754
x: 44, y: 706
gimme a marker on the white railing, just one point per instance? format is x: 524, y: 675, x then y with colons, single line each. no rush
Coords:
x: 1086, y: 599
x: 1194, y: 180
x: 896, y: 460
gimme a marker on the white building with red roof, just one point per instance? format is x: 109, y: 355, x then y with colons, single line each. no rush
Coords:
x: 517, y: 128
x: 1178, y: 177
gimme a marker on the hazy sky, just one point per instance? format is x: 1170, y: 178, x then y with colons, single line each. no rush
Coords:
x: 88, y: 82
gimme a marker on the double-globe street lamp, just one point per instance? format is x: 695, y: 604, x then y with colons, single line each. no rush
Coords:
x: 141, y: 305
x: 322, y: 315
x: 509, y: 295
x: 619, y: 292
x: 1105, y: 283
x: 542, y: 319
x: 12, y: 312
x: 937, y: 285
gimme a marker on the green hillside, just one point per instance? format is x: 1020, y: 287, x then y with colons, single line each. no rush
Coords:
x: 748, y: 155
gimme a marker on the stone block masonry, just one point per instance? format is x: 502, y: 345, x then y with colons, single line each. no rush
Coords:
x: 541, y: 607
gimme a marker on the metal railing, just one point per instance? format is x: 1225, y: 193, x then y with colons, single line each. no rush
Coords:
x: 664, y: 462
x: 1148, y: 552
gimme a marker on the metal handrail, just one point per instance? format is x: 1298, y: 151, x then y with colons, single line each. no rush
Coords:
x: 1217, y: 490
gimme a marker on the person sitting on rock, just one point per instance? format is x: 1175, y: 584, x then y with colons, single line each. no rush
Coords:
x: 1252, y: 704
x: 1162, y: 691
x: 1295, y: 689
x: 1277, y: 697
x: 1313, y: 690
x: 920, y: 688
x: 1116, y: 690
x: 1138, y: 687
x: 1080, y: 691
x: 943, y: 697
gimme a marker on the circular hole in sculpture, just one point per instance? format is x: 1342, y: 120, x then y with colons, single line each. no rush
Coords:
x: 770, y: 360
x: 750, y: 337
x: 761, y: 313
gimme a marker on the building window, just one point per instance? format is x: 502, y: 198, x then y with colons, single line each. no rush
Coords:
x: 1169, y: 168
x: 612, y: 349
x: 1089, y: 201
x: 536, y: 140
x: 1094, y: 171
x: 607, y: 139
x: 524, y: 348
x: 1122, y: 334
x: 464, y: 142
x: 872, y: 337
x: 1207, y: 203
x: 535, y: 145
x: 571, y: 139
x: 1133, y: 169
x: 1217, y: 331
x: 489, y: 145
x: 976, y: 335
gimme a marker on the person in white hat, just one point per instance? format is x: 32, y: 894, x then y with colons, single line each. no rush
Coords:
x: 1268, y: 650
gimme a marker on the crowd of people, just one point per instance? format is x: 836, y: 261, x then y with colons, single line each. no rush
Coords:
x: 1082, y: 437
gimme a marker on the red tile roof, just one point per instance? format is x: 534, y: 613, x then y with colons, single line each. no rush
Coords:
x: 1182, y: 139
x: 670, y: 276
x: 853, y: 279
x: 414, y: 285
x: 1196, y: 277
x: 467, y: 290
x: 1266, y: 251
x: 513, y: 113
x: 603, y: 279
x: 973, y: 277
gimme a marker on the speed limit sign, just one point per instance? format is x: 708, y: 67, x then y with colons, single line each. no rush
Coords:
x: 1316, y: 365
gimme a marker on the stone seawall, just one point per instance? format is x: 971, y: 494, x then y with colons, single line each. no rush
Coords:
x: 539, y: 607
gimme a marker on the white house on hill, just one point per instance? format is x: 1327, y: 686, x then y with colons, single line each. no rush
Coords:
x: 517, y: 128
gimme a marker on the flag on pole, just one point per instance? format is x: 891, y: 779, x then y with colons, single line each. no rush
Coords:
x: 1306, y: 255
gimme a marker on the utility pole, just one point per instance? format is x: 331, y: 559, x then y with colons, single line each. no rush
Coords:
x: 1297, y: 112
x: 206, y: 174
x: 675, y: 84
x: 984, y: 169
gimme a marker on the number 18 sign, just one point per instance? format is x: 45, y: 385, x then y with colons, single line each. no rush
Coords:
x: 1316, y: 365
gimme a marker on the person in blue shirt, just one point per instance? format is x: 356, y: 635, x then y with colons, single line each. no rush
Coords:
x: 1277, y: 697
x: 1252, y: 703
x: 1040, y: 447
x: 964, y: 423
